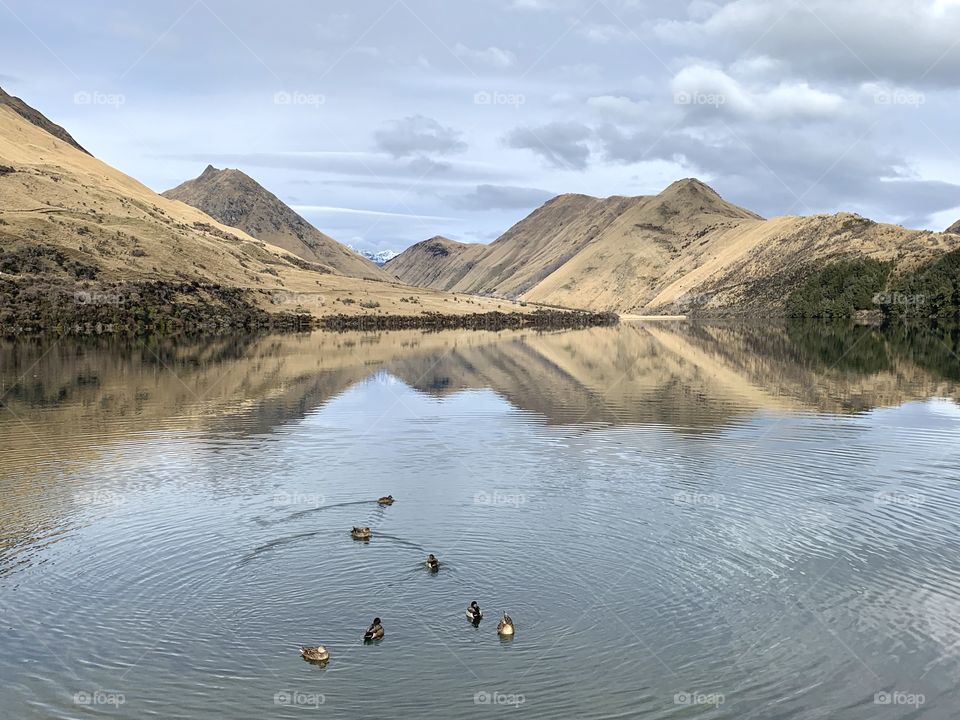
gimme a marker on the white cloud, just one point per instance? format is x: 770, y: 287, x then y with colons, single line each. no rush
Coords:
x: 531, y: 5
x: 906, y: 41
x: 699, y: 86
x: 605, y: 33
x: 491, y: 56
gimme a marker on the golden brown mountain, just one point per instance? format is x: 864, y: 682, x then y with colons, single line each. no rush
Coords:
x: 683, y: 250
x: 80, y: 240
x: 236, y: 199
x: 521, y: 257
x: 435, y: 263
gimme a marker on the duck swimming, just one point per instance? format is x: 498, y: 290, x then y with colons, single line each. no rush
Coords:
x: 385, y: 500
x: 474, y: 614
x: 316, y: 653
x: 505, y: 626
x: 360, y: 533
x: 374, y: 632
x: 432, y: 562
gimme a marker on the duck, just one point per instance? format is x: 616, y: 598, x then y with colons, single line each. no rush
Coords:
x: 315, y: 653
x: 360, y: 533
x: 474, y: 614
x: 505, y: 626
x: 385, y: 500
x: 375, y: 631
x: 432, y: 562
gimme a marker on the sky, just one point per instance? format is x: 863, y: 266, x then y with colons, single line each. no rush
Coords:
x: 386, y: 122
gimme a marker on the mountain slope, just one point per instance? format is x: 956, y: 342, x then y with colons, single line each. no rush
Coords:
x: 955, y: 228
x: 237, y: 200
x: 655, y: 242
x: 522, y: 256
x: 82, y: 242
x: 684, y: 250
x: 438, y: 263
x: 36, y: 118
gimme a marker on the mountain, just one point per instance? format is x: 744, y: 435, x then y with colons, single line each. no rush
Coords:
x: 955, y: 228
x: 82, y: 243
x: 380, y: 258
x: 36, y: 118
x: 436, y: 263
x: 521, y: 257
x: 684, y: 250
x: 237, y: 200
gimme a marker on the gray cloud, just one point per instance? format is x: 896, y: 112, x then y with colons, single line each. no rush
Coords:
x: 501, y: 197
x: 777, y: 171
x: 418, y: 134
x: 860, y: 40
x: 848, y: 105
x: 561, y: 144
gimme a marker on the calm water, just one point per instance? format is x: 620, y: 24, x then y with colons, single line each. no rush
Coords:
x: 717, y: 522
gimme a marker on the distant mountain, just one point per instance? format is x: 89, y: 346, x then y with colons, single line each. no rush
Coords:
x: 438, y: 263
x: 684, y: 250
x: 237, y: 200
x: 85, y: 248
x: 377, y: 258
x: 955, y: 228
x: 34, y: 117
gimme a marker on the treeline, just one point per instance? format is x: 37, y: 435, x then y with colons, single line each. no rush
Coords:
x: 847, y: 287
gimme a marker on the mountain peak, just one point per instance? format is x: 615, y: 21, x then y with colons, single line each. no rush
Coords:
x: 690, y: 185
x: 955, y: 228
x: 236, y: 199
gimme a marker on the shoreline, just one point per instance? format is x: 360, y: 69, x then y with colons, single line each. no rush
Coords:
x: 175, y: 308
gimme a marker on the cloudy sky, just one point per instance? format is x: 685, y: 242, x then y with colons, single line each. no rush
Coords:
x: 388, y: 121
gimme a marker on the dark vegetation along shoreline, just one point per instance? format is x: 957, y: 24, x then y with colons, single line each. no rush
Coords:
x: 169, y: 308
x: 868, y: 288
x: 539, y: 319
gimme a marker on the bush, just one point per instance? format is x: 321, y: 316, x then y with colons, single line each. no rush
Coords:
x: 934, y: 288
x: 839, y: 289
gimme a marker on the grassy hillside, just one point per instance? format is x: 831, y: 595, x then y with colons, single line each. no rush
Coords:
x: 82, y: 244
x: 237, y: 200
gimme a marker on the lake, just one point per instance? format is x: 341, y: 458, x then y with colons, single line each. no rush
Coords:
x: 717, y: 521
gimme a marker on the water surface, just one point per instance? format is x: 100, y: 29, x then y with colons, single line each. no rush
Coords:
x: 717, y: 522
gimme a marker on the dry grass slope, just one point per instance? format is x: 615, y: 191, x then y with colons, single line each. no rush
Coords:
x: 69, y: 223
x: 683, y: 251
x: 237, y: 200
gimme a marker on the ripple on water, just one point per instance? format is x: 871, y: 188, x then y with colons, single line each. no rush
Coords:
x: 794, y: 563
